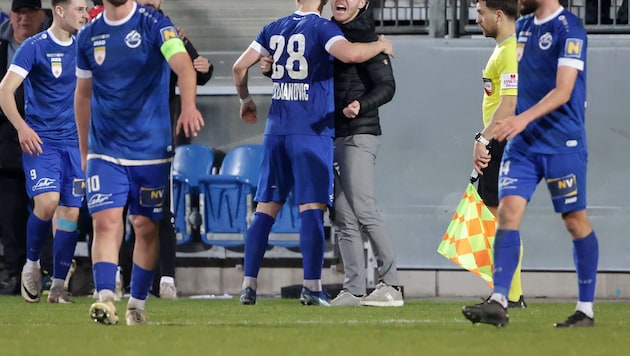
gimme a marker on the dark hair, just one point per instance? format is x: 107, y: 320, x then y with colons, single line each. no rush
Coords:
x: 97, y: 2
x: 509, y: 7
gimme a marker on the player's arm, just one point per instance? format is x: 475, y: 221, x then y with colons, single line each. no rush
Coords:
x: 190, y: 119
x: 82, y: 112
x: 505, y: 108
x: 30, y: 142
x: 558, y: 96
x: 240, y: 70
x: 349, y: 52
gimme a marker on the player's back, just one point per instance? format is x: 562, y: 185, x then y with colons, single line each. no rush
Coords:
x: 130, y: 112
x: 48, y: 65
x: 302, y: 74
x: 543, y: 46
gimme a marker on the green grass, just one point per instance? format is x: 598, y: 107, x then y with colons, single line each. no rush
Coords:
x: 284, y: 327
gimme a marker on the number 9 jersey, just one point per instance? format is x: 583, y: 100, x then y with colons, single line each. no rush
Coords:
x: 302, y: 73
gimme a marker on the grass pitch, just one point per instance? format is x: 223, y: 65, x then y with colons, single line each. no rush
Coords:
x: 284, y: 327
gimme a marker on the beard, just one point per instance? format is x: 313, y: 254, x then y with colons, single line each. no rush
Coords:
x: 117, y: 3
x: 527, y: 7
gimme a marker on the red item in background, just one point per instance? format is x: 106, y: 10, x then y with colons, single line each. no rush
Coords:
x: 94, y: 11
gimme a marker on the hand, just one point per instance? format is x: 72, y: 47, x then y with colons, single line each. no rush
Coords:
x: 352, y: 110
x: 481, y: 157
x: 389, y: 46
x: 248, y: 112
x: 190, y: 120
x: 202, y: 64
x: 265, y: 64
x: 181, y: 33
x: 30, y: 142
x: 508, y: 128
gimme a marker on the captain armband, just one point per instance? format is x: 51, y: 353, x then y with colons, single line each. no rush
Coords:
x: 172, y: 47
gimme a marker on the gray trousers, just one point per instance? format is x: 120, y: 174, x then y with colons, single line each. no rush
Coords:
x: 355, y: 209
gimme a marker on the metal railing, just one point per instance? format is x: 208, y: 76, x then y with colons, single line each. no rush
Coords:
x: 455, y: 18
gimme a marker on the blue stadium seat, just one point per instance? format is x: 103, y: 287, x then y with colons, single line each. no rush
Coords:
x: 227, y: 196
x: 286, y: 229
x: 191, y: 163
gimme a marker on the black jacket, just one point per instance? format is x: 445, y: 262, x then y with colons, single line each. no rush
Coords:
x: 10, y: 151
x: 371, y: 83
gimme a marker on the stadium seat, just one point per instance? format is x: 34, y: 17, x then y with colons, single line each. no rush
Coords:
x: 191, y: 163
x: 227, y: 206
x: 286, y: 229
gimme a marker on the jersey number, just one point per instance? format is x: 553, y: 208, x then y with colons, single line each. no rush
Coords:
x: 296, y: 65
x: 93, y: 184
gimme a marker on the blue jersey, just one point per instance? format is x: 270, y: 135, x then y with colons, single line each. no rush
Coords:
x: 47, y: 66
x: 542, y: 47
x: 130, y: 118
x: 302, y: 73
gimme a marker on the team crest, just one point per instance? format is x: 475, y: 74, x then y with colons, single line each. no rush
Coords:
x: 519, y: 51
x: 56, y: 68
x: 99, y: 55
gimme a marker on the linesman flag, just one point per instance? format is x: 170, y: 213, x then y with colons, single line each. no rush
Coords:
x: 470, y: 235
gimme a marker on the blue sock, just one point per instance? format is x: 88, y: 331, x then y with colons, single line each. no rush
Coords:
x: 64, y: 245
x: 37, y: 231
x: 256, y: 243
x: 104, y: 275
x: 507, y: 248
x: 141, y: 282
x: 585, y: 256
x: 312, y: 243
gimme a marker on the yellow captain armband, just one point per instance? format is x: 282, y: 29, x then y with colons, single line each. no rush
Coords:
x: 171, y: 47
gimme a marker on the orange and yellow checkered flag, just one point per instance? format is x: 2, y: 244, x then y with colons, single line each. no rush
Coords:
x: 470, y: 235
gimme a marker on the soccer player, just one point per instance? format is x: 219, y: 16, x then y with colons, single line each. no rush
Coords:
x: 45, y: 63
x: 497, y: 19
x: 546, y: 139
x: 121, y: 103
x: 298, y: 135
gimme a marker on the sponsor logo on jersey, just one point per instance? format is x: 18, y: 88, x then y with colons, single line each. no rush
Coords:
x: 78, y: 187
x: 152, y: 197
x: 507, y: 183
x: 168, y: 33
x: 509, y: 81
x: 99, y: 200
x: 573, y: 48
x: 563, y: 187
x: 99, y: 55
x: 570, y: 200
x: 44, y: 183
x: 133, y: 39
x: 545, y: 41
x: 487, y: 86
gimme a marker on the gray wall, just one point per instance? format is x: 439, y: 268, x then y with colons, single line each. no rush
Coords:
x: 425, y: 157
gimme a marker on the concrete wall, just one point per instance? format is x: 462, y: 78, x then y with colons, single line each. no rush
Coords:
x: 424, y: 160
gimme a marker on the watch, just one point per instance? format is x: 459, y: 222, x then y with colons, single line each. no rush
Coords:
x: 479, y: 137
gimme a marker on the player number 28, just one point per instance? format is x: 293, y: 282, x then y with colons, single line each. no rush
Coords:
x: 295, y: 47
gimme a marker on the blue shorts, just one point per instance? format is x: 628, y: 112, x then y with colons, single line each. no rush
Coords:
x: 301, y: 160
x: 565, y: 175
x: 142, y: 188
x: 57, y: 169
